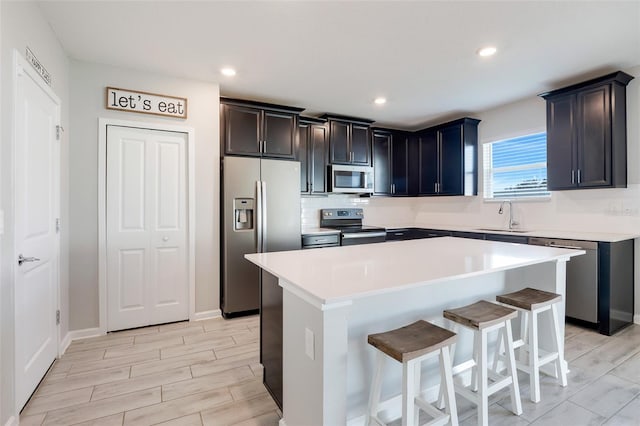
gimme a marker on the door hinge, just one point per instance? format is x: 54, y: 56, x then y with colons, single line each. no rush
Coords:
x: 59, y: 130
x: 58, y: 317
x: 57, y: 225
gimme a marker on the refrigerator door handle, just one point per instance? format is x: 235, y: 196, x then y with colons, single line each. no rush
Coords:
x: 258, y: 217
x: 263, y: 209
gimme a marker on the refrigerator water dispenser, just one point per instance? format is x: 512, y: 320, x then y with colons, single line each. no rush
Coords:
x: 243, y: 214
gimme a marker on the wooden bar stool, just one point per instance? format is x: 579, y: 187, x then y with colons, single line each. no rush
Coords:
x: 483, y: 317
x: 531, y: 303
x: 410, y: 345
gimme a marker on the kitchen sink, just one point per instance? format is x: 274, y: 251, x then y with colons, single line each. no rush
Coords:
x: 514, y: 231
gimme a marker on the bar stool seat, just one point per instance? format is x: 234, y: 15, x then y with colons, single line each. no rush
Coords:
x: 410, y: 345
x: 483, y: 317
x: 532, y: 302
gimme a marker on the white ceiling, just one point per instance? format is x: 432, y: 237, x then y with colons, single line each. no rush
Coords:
x: 338, y: 56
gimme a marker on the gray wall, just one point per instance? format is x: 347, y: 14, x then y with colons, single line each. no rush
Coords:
x: 23, y: 25
x: 87, y: 105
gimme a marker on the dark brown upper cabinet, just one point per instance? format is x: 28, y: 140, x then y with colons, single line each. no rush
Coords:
x: 258, y: 129
x: 448, y: 159
x: 587, y: 134
x: 382, y: 143
x: 394, y: 162
x: 349, y: 140
x: 313, y: 137
x: 404, y: 163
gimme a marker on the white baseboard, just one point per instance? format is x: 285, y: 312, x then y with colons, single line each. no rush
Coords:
x: 12, y: 421
x: 199, y: 316
x: 636, y: 319
x: 76, y: 335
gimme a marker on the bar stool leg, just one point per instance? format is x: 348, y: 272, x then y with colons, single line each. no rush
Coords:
x: 524, y: 330
x: 409, y: 394
x: 561, y: 368
x: 534, y: 360
x: 376, y: 387
x: 499, y: 350
x: 482, y: 379
x: 477, y: 343
x: 446, y: 386
x: 511, y: 370
x: 417, y: 371
x: 440, y: 403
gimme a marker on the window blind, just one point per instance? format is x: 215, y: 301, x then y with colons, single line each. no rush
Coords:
x: 516, y: 168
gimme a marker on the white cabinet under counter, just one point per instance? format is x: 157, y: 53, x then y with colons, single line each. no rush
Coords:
x: 332, y: 299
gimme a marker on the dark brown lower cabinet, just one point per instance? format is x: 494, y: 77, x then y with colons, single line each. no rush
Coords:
x: 271, y: 335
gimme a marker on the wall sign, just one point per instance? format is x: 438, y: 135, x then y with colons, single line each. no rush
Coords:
x: 40, y: 69
x: 146, y: 103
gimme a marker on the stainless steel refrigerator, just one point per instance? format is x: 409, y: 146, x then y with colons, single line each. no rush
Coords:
x: 261, y: 213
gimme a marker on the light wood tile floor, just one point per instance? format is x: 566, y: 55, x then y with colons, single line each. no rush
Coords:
x: 207, y: 373
x: 187, y: 373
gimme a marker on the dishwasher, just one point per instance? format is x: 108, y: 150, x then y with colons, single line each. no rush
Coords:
x: 582, y: 278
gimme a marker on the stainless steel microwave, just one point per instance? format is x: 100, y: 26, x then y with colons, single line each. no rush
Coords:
x: 350, y: 179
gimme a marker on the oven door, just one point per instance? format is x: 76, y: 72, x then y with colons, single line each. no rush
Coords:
x: 354, y: 238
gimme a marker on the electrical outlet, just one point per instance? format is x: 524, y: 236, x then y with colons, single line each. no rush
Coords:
x: 309, y: 344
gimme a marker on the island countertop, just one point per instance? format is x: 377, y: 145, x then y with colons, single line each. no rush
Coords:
x: 336, y: 275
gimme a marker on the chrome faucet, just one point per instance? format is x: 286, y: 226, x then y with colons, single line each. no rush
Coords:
x: 512, y: 223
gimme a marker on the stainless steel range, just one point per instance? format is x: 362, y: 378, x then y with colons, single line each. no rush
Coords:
x: 349, y: 223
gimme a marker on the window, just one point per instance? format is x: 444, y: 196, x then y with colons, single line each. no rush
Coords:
x: 516, y: 168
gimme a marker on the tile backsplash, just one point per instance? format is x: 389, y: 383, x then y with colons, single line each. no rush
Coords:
x: 380, y: 211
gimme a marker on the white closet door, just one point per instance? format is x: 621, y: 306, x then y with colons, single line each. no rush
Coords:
x: 147, y: 265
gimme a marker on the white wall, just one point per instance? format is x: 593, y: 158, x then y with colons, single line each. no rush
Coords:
x: 87, y: 105
x: 23, y: 25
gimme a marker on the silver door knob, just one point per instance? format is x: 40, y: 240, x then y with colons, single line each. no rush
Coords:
x: 165, y: 239
x: 22, y: 259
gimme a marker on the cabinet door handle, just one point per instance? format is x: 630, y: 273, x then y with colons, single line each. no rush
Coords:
x: 579, y: 177
x: 573, y: 180
x: 264, y: 146
x: 393, y: 188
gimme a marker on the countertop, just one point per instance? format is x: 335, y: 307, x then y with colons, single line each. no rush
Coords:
x: 340, y: 274
x: 544, y: 233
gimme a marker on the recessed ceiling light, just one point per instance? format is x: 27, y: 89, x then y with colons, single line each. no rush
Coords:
x: 487, y: 51
x: 380, y: 101
x: 229, y: 72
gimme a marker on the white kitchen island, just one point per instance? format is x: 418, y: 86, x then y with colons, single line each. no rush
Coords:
x: 334, y: 297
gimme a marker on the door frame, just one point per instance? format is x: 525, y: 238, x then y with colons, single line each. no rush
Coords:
x: 102, y: 208
x: 21, y: 66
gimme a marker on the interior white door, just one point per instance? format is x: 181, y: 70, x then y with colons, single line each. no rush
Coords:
x: 36, y: 240
x: 147, y: 261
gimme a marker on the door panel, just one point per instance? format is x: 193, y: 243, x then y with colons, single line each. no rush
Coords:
x: 282, y: 195
x: 382, y: 163
x: 131, y: 279
x: 318, y: 159
x: 242, y: 130
x: 279, y: 134
x: 561, y: 163
x: 400, y: 164
x: 240, y: 278
x: 361, y: 145
x: 451, y: 161
x: 147, y: 265
x: 428, y: 163
x: 36, y: 282
x: 169, y: 264
x: 594, y: 134
x: 339, y: 140
x: 131, y: 184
